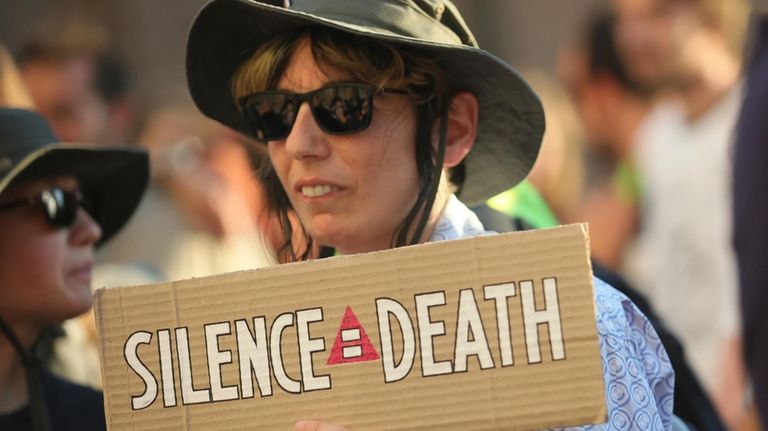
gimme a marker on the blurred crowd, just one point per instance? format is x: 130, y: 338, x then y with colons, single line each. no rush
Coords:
x: 643, y: 116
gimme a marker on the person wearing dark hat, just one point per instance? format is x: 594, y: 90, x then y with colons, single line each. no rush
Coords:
x: 378, y: 116
x: 56, y: 203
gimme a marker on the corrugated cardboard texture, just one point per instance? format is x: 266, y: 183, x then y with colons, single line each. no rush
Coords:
x: 522, y: 396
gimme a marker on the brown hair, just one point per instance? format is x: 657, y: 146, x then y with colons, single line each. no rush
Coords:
x: 368, y: 61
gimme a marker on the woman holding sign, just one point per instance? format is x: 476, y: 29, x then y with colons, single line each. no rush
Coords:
x: 376, y: 114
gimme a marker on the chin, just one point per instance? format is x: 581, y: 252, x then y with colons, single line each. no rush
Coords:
x: 80, y: 301
x: 348, y: 236
x: 327, y: 229
x: 62, y: 312
x: 78, y: 309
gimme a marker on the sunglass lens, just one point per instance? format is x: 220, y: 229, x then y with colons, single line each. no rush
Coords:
x: 342, y: 109
x: 270, y: 115
x: 60, y: 207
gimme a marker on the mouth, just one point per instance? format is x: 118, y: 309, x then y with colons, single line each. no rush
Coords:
x: 318, y: 190
x: 82, y: 272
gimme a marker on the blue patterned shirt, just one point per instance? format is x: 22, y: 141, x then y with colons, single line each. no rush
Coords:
x: 639, y: 380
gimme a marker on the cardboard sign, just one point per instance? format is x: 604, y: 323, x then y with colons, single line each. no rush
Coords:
x: 486, y: 333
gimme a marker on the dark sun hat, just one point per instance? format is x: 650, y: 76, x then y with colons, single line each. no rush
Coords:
x: 115, y: 178
x: 511, y: 120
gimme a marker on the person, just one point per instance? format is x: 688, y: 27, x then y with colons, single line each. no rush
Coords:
x: 682, y: 259
x: 611, y: 106
x: 201, y: 211
x: 750, y: 209
x: 81, y: 90
x: 596, y: 78
x: 435, y: 126
x: 56, y: 203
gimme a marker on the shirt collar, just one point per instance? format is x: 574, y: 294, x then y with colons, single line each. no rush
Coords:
x: 457, y: 221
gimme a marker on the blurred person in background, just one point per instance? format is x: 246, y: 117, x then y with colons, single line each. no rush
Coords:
x: 203, y: 213
x: 686, y: 51
x: 610, y: 106
x: 556, y: 190
x: 81, y: 90
x: 751, y: 210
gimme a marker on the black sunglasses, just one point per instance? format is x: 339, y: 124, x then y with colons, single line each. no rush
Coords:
x: 338, y: 109
x: 59, y: 206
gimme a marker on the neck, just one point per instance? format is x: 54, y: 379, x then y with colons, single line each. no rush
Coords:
x: 714, y: 73
x: 13, y: 385
x: 441, y: 200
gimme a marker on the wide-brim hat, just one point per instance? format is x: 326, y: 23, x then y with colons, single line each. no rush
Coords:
x: 511, y: 120
x: 114, y: 177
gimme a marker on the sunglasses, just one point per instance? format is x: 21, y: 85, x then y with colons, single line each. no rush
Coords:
x: 59, y: 206
x: 338, y: 109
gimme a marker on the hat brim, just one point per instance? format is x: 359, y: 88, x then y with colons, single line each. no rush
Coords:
x: 114, y: 178
x: 511, y: 119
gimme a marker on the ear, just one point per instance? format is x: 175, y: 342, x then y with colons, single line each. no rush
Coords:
x: 462, y: 128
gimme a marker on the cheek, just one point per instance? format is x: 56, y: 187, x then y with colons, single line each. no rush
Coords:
x: 279, y: 160
x: 30, y: 270
x: 390, y: 166
x: 42, y: 259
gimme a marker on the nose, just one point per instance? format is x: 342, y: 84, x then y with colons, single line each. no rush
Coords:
x: 306, y: 140
x: 85, y: 230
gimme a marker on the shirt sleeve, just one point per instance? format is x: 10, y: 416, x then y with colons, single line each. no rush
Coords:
x: 638, y: 376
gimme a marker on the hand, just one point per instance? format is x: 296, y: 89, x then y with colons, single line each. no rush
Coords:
x: 316, y: 426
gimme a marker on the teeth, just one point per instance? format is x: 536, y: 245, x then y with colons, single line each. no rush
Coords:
x: 315, y: 191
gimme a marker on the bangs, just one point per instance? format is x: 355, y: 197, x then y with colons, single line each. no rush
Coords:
x: 367, y: 61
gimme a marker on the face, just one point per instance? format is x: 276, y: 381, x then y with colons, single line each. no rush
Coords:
x: 596, y: 98
x: 656, y: 37
x: 350, y: 192
x: 64, y: 94
x: 45, y: 271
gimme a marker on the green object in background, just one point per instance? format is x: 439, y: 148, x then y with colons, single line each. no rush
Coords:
x: 626, y: 180
x: 525, y: 202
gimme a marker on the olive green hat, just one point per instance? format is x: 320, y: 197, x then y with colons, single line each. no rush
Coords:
x: 511, y: 120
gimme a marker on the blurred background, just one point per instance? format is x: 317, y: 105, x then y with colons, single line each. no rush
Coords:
x: 641, y: 98
x: 151, y: 36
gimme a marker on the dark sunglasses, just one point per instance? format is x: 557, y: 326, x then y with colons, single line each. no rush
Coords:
x: 59, y: 206
x: 338, y: 109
